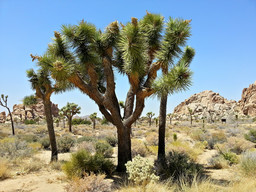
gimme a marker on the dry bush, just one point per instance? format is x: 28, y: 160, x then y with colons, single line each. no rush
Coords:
x: 244, y: 185
x: 88, y: 146
x: 34, y: 165
x: 218, y: 162
x: 237, y: 145
x: 152, y: 139
x: 248, y: 163
x: 90, y: 183
x: 56, y: 165
x: 139, y: 148
x: 4, y: 169
x: 151, y: 187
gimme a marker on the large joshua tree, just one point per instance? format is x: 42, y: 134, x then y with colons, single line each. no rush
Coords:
x: 87, y: 57
x: 69, y: 111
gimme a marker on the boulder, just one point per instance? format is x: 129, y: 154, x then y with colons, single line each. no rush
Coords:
x: 248, y: 100
x: 2, y: 117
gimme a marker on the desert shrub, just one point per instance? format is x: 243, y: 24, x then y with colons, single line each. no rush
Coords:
x: 153, y: 149
x: 152, y: 139
x: 35, y: 146
x: 45, y: 142
x: 65, y: 143
x: 248, y: 163
x: 56, y: 165
x: 104, y: 121
x: 4, y: 169
x: 218, y: 162
x: 32, y: 166
x: 237, y: 145
x: 14, y: 148
x: 29, y: 122
x: 140, y: 171
x: 179, y: 165
x: 28, y: 138
x: 175, y: 137
x: 83, y: 162
x: 112, y: 140
x: 80, y: 121
x: 90, y: 183
x: 139, y: 148
x: 87, y: 146
x: 104, y: 148
x: 85, y: 138
x: 251, y: 136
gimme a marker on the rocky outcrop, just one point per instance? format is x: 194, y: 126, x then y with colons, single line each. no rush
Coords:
x: 207, y: 105
x: 21, y: 112
x: 248, y: 100
x: 2, y: 117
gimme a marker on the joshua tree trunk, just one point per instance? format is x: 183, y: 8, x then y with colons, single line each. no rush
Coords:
x: 70, y: 124
x: 162, y: 124
x: 94, y: 123
x: 49, y: 120
x: 63, y: 123
x: 13, y: 132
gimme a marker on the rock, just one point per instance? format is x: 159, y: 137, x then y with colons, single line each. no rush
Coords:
x: 2, y: 117
x: 207, y: 104
x: 20, y: 112
x: 248, y: 100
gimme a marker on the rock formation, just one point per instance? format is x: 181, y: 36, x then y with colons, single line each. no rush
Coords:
x: 207, y: 105
x: 21, y: 112
x: 248, y: 100
x: 2, y: 117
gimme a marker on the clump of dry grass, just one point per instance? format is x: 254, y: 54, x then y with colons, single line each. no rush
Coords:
x: 90, y: 183
x: 139, y: 148
x: 4, y: 169
x: 33, y: 165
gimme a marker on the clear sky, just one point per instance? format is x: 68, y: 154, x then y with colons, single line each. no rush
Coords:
x: 223, y: 35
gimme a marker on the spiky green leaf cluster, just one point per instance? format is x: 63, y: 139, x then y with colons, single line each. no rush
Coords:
x: 70, y: 109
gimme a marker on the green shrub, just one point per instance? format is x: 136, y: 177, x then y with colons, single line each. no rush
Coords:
x: 179, y: 165
x: 28, y: 138
x: 231, y: 157
x: 248, y: 163
x: 218, y: 162
x: 104, y: 121
x: 251, y: 136
x: 80, y: 121
x: 104, y: 148
x: 112, y: 140
x: 83, y: 162
x: 14, y: 148
x: 140, y: 171
x: 85, y: 138
x: 45, y: 142
x: 28, y: 122
x: 65, y: 143
x: 175, y: 137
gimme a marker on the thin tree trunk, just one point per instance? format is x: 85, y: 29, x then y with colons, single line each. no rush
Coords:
x: 49, y: 120
x: 94, y: 124
x: 162, y: 124
x: 124, y: 147
x: 70, y: 124
x: 13, y: 132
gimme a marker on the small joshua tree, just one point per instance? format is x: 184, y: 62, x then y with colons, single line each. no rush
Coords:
x: 3, y: 102
x: 150, y: 115
x: 190, y: 111
x: 69, y: 111
x: 93, y: 118
x: 170, y: 116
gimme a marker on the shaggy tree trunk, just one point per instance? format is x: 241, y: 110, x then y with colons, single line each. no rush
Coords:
x: 162, y: 124
x: 124, y: 148
x: 70, y: 124
x: 49, y: 120
x: 13, y: 132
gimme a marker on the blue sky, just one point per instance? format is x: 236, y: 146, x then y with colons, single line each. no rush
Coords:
x: 223, y: 35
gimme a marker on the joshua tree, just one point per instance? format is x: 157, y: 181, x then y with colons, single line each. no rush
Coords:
x: 150, y: 115
x: 176, y: 42
x: 3, y: 102
x: 86, y: 58
x: 170, y: 116
x: 190, y: 111
x: 156, y: 120
x: 30, y: 101
x: 69, y: 111
x: 93, y: 118
x: 44, y: 87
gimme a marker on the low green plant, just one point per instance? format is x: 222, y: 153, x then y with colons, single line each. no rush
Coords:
x: 140, y: 171
x: 28, y: 138
x: 179, y: 165
x: 104, y: 148
x: 251, y: 136
x: 86, y: 138
x: 80, y: 121
x: 83, y: 162
x: 29, y: 121
x: 65, y: 143
x: 175, y: 137
x: 112, y: 140
x: 45, y: 142
x: 248, y: 163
